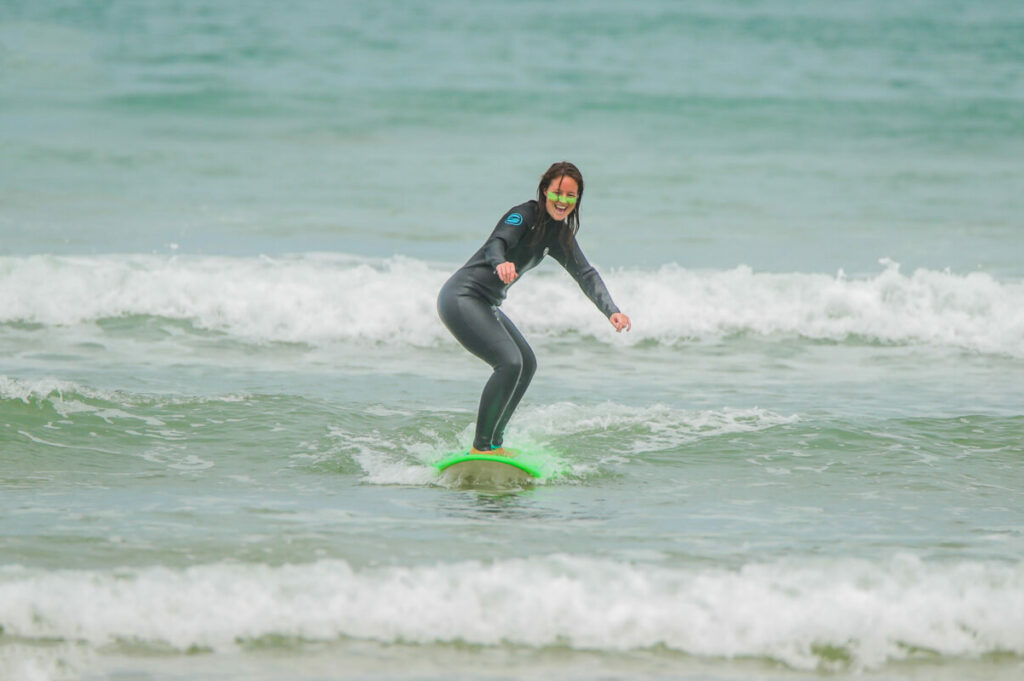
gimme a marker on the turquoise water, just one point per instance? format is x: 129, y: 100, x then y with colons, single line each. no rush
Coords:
x: 223, y: 383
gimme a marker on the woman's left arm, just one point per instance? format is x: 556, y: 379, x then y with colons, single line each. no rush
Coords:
x: 590, y: 281
x: 620, y: 321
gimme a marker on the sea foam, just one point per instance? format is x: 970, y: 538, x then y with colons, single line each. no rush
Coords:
x: 321, y: 299
x: 809, y: 613
x: 618, y: 431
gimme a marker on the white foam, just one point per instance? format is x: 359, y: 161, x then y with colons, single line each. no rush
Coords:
x: 408, y: 461
x: 384, y: 462
x: 321, y: 299
x: 309, y: 299
x: 66, y: 397
x: 670, y: 304
x: 46, y: 388
x: 45, y: 663
x: 806, y: 613
x: 650, y: 428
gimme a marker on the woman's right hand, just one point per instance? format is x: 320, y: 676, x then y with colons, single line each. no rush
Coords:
x: 506, y: 272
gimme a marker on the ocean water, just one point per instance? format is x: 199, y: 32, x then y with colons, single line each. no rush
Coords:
x: 223, y: 382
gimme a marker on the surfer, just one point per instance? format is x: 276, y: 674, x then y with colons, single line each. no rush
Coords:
x: 469, y: 302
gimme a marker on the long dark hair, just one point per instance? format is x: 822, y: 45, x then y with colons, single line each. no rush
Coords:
x: 566, y: 230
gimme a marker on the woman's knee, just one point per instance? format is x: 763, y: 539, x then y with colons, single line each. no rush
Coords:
x: 529, y: 365
x: 519, y: 368
x: 515, y: 365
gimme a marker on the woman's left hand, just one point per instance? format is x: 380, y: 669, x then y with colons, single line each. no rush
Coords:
x: 620, y: 322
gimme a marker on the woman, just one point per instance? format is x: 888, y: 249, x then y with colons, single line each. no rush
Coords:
x: 468, y: 302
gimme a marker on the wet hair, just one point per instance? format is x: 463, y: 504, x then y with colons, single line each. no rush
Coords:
x: 569, y: 228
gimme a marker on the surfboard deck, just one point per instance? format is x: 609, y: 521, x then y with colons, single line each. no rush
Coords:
x: 487, y: 470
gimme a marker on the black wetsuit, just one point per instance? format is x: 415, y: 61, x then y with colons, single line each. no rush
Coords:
x: 468, y: 306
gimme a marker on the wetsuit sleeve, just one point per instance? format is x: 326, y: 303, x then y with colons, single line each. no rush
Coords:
x: 587, y: 277
x: 509, y: 230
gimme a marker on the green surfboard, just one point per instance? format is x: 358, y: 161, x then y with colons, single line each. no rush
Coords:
x: 488, y: 470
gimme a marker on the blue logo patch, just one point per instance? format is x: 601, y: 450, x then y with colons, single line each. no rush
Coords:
x: 514, y: 219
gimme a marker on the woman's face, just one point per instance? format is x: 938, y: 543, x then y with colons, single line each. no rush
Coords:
x: 564, y: 203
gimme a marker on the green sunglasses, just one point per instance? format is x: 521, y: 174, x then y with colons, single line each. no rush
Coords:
x: 556, y: 197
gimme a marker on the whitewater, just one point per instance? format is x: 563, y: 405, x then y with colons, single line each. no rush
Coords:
x: 807, y: 614
x: 322, y: 298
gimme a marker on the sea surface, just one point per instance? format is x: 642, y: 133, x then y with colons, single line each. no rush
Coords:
x: 223, y: 382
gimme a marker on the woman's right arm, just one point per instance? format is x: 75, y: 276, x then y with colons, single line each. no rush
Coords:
x: 507, y: 233
x: 506, y: 271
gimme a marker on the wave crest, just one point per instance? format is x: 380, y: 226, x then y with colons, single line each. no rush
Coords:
x: 807, y: 614
x: 322, y: 299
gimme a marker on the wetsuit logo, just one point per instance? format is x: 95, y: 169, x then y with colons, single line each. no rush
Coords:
x: 514, y: 219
